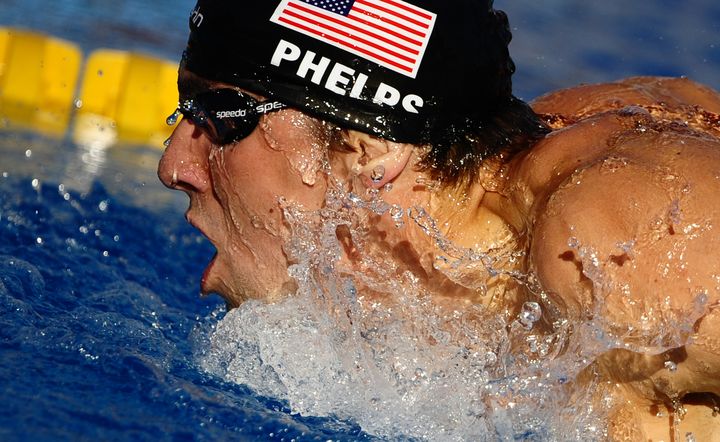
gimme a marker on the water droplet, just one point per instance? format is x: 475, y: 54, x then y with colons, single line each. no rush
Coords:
x: 377, y: 174
x: 397, y: 213
x: 106, y: 253
x: 35, y: 183
x: 167, y: 142
x: 39, y: 240
x: 355, y: 199
x: 671, y: 366
x: 173, y: 118
x: 78, y: 103
x: 530, y: 314
x: 28, y: 153
x: 84, y: 229
x: 5, y: 174
x: 689, y: 437
x: 116, y: 238
x: 630, y: 111
x: 103, y: 206
x: 257, y: 222
x: 388, y: 187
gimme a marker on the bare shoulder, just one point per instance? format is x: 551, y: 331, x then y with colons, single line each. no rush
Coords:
x: 623, y: 204
x: 627, y: 195
x: 624, y: 217
x: 637, y: 221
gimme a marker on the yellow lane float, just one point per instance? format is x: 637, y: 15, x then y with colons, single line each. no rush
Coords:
x: 38, y: 79
x: 124, y: 96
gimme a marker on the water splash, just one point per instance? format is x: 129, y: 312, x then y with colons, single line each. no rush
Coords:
x: 530, y: 314
x: 365, y: 340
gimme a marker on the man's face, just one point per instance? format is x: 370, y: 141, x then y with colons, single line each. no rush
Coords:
x: 235, y: 191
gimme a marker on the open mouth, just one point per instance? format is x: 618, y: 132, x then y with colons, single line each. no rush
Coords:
x: 205, y: 279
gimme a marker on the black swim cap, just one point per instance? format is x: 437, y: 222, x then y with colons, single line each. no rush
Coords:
x: 413, y: 71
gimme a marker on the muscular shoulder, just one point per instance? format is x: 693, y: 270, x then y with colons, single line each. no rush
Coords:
x: 623, y: 214
x: 624, y: 206
x: 633, y: 226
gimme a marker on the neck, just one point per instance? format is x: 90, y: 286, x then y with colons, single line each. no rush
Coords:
x: 471, y: 221
x: 480, y: 215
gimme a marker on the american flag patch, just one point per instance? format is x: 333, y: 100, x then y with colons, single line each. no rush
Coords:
x: 391, y: 33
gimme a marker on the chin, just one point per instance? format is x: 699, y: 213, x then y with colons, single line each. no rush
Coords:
x: 214, y: 281
x: 236, y: 291
x: 237, y: 285
x: 232, y: 300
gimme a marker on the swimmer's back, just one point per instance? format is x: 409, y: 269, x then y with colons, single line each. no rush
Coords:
x: 586, y: 100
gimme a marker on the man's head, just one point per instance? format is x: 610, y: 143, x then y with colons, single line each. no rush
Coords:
x: 276, y: 112
x: 425, y: 72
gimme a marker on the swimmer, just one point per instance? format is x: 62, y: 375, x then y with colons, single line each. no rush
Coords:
x: 603, y: 197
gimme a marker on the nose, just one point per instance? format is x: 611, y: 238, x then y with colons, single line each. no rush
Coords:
x: 184, y: 164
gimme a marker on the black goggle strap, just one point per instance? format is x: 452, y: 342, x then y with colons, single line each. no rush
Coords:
x: 224, y: 104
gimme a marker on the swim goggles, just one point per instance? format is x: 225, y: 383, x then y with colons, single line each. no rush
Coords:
x: 227, y: 115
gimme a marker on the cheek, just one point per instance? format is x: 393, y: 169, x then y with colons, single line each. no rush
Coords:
x: 249, y: 183
x: 238, y: 185
x: 302, y: 139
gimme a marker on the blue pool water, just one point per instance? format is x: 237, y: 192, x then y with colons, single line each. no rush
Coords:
x: 100, y: 318
x: 98, y: 307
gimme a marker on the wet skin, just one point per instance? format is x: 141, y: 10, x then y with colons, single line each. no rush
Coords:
x: 616, y: 212
x: 637, y: 191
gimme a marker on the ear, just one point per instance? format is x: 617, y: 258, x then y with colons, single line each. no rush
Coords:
x: 376, y: 160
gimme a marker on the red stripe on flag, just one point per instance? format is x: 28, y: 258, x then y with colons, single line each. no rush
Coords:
x: 410, y: 9
x: 350, y: 26
x: 349, y: 36
x: 344, y: 43
x: 388, y: 21
x: 385, y: 30
x: 391, y: 12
